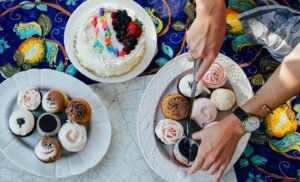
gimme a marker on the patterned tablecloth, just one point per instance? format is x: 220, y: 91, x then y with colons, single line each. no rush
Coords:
x: 31, y: 36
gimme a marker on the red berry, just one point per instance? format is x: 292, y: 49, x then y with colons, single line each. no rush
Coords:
x: 114, y: 15
x: 114, y: 21
x: 125, y: 42
x: 134, y: 30
x: 127, y: 50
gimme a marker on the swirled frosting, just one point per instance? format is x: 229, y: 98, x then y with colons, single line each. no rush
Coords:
x: 78, y: 110
x: 204, y: 111
x: 169, y: 131
x: 215, y: 77
x: 54, y: 101
x: 72, y: 136
x: 175, y: 106
x: 29, y: 98
x: 48, y: 150
x: 21, y: 122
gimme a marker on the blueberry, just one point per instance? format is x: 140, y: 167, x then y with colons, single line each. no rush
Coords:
x: 119, y: 12
x: 118, y: 36
x: 123, y: 32
x: 123, y: 27
x: 133, y: 40
x: 124, y: 13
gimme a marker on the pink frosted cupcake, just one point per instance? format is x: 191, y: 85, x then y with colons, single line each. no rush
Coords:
x: 215, y: 77
x: 204, y: 111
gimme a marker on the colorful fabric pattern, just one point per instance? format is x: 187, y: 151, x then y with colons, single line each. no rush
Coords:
x: 31, y: 36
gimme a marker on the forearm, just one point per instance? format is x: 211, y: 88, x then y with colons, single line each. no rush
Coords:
x: 281, y: 86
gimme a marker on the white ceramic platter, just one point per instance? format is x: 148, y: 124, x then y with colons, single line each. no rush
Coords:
x: 20, y: 150
x: 164, y: 82
x: 90, y: 6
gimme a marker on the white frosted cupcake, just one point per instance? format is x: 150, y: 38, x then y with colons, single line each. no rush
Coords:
x: 72, y: 136
x: 223, y: 99
x: 21, y: 123
x: 29, y: 98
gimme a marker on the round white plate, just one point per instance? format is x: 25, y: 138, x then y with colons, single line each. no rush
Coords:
x: 163, y: 83
x: 21, y: 150
x: 92, y: 5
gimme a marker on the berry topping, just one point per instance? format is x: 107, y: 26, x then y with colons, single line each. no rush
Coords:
x: 114, y: 21
x: 126, y: 50
x: 114, y: 15
x: 125, y: 42
x: 134, y: 30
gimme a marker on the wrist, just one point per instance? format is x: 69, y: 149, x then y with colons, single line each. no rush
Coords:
x: 235, y: 124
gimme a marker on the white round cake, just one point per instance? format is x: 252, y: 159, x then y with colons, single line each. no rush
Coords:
x: 110, y: 42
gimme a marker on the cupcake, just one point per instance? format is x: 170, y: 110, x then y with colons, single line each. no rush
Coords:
x: 48, y: 124
x: 21, y: 123
x: 168, y: 131
x: 72, y: 136
x: 215, y: 77
x: 223, y: 99
x: 175, y: 106
x: 47, y: 150
x: 54, y: 101
x: 204, y: 111
x: 185, y: 86
x: 79, y: 111
x: 182, y: 151
x: 29, y: 98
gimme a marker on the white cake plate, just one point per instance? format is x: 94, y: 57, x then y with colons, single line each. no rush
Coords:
x: 90, y: 6
x: 164, y: 82
x: 20, y: 150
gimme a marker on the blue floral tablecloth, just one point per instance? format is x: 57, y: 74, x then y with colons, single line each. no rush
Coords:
x: 31, y: 36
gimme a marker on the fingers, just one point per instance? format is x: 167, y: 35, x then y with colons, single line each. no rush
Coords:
x: 197, y: 135
x: 215, y: 167
x: 198, y: 162
x: 220, y: 172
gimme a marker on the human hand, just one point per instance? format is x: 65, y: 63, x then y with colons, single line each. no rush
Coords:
x: 205, y: 36
x: 218, y: 144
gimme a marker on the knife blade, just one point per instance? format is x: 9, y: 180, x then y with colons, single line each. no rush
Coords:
x: 196, y: 67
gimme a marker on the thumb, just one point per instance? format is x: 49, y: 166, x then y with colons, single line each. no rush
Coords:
x: 197, y: 135
x: 208, y: 60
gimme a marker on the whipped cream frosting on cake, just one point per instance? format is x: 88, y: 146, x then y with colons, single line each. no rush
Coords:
x: 110, y: 42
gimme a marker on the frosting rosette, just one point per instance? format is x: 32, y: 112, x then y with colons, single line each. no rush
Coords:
x: 169, y: 131
x: 29, y: 98
x: 215, y: 77
x: 175, y: 106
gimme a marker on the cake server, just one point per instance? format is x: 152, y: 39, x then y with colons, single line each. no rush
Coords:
x: 197, y: 65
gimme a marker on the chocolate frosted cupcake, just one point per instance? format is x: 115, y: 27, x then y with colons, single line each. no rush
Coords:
x: 175, y: 106
x: 79, y: 111
x: 48, y: 150
x: 182, y: 151
x: 54, y: 101
x: 48, y: 124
